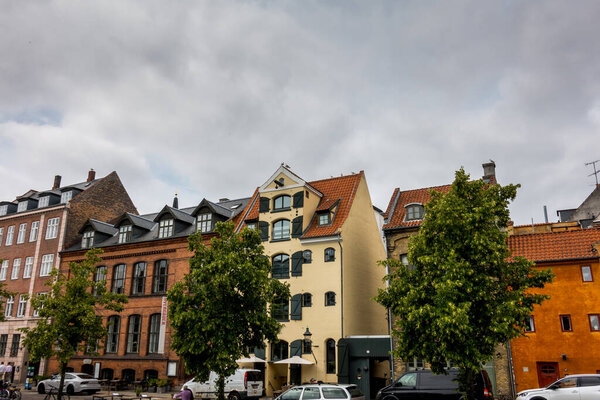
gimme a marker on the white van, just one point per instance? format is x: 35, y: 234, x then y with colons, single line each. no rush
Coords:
x: 244, y: 383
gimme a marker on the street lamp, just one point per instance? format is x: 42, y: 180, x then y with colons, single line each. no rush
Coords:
x: 308, y: 344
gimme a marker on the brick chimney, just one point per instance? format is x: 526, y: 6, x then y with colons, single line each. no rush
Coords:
x: 489, y: 172
x: 91, y: 175
x: 57, y: 179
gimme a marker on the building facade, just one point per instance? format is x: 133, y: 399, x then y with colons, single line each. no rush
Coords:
x: 34, y: 229
x: 563, y: 335
x: 324, y: 241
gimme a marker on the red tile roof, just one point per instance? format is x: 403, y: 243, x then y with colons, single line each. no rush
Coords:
x: 397, y: 208
x: 556, y: 246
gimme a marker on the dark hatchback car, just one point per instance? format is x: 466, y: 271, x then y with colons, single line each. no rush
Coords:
x: 425, y: 385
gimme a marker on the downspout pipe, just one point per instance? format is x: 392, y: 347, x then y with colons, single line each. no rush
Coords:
x: 339, y: 240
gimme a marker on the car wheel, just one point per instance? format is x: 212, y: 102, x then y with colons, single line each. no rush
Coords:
x: 41, y: 389
x: 234, y: 396
x: 70, y: 390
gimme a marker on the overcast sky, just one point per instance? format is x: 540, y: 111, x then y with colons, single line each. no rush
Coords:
x: 209, y: 98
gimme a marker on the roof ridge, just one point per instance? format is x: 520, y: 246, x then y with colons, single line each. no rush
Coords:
x: 337, y: 177
x: 571, y: 232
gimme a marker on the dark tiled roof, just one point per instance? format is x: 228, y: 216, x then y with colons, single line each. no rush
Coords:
x: 178, y: 214
x: 556, y: 246
x: 396, y: 211
x: 138, y: 221
x: 100, y: 226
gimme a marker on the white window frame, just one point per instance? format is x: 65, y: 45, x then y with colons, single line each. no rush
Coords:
x: 87, y: 241
x: 10, y: 234
x: 47, y: 264
x: 125, y: 232
x: 52, y: 228
x: 3, y: 210
x: 165, y: 228
x: 21, y: 234
x: 22, y: 206
x: 1, y: 235
x: 586, y: 273
x: 4, y: 270
x: 16, y: 269
x: 43, y: 201
x: 10, y: 302
x: 36, y: 311
x: 21, y: 306
x: 204, y: 222
x: 66, y: 196
x: 28, y: 267
x: 33, y: 232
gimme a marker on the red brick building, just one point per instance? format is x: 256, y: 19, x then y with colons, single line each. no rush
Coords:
x: 143, y: 257
x: 34, y: 229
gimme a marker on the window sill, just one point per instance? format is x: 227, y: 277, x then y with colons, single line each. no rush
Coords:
x: 281, y: 210
x: 280, y: 240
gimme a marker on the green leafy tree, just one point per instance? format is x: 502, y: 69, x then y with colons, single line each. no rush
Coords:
x: 461, y: 294
x: 68, y: 322
x: 220, y: 309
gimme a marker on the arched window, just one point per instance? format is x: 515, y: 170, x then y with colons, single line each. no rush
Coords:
x: 160, y: 276
x: 279, y: 350
x: 107, y: 373
x: 128, y: 375
x: 134, y: 329
x: 281, y: 229
x: 138, y: 283
x: 414, y: 212
x: 281, y: 266
x: 150, y: 374
x: 329, y: 254
x: 282, y: 202
x: 281, y: 309
x: 330, y: 356
x: 100, y: 276
x: 330, y: 299
x: 112, y: 338
x: 306, y: 300
x: 153, y: 333
x: 118, y: 282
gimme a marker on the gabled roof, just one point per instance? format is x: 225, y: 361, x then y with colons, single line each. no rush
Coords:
x: 176, y: 214
x: 396, y: 211
x: 283, y: 169
x: 556, y: 246
x: 136, y: 220
x: 214, y: 207
x: 99, y: 226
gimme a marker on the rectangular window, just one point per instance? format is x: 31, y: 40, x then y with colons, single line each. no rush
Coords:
x: 66, y: 196
x: 324, y: 219
x: 43, y: 201
x: 47, y: 264
x: 4, y: 270
x: 21, y: 306
x: 165, y: 228
x: 118, y: 283
x: 1, y: 234
x: 160, y: 277
x: 22, y: 206
x: 203, y: 223
x: 33, y: 233
x: 586, y: 273
x: 139, y: 278
x: 594, y: 322
x: 565, y: 323
x: 415, y: 363
x: 88, y: 240
x: 28, y: 267
x: 14, y: 346
x: 530, y: 326
x: 36, y: 312
x: 100, y: 276
x: 133, y: 333
x: 153, y: 333
x: 16, y: 269
x: 8, y: 308
x: 52, y: 228
x: 21, y: 234
x: 125, y: 233
x: 3, y: 343
x: 112, y: 338
x: 3, y: 210
x: 10, y: 233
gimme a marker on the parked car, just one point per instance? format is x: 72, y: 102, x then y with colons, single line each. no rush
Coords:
x: 323, y: 391
x: 244, y: 383
x: 427, y: 385
x: 572, y: 387
x: 75, y: 382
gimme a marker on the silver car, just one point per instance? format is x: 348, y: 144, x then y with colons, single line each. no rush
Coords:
x: 323, y: 391
x: 572, y: 387
x: 75, y: 382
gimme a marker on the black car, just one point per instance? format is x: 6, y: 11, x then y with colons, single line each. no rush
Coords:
x: 425, y: 385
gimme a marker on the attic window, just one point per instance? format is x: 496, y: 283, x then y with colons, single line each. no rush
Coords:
x: 204, y: 223
x: 235, y: 206
x: 414, y: 212
x: 66, y: 196
x: 124, y: 233
x: 324, y: 219
x: 165, y: 228
x: 22, y: 206
x: 44, y: 201
x: 88, y: 240
x: 3, y: 210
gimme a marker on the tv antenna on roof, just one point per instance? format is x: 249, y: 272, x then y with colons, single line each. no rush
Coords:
x: 596, y: 172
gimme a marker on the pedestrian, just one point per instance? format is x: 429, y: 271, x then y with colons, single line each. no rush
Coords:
x: 2, y: 370
x: 8, y: 372
x: 185, y: 394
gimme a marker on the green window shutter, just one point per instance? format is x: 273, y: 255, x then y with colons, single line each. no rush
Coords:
x: 263, y: 227
x: 298, y: 199
x: 296, y: 348
x: 264, y: 204
x: 296, y: 313
x: 343, y: 365
x: 297, y: 227
x: 297, y: 263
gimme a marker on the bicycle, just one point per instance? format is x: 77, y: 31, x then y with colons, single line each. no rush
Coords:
x: 10, y: 392
x: 52, y: 395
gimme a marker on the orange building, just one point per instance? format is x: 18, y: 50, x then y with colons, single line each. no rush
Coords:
x: 563, y: 336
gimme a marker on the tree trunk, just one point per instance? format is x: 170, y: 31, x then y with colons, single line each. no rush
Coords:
x: 470, y: 384
x: 221, y: 387
x: 63, y: 367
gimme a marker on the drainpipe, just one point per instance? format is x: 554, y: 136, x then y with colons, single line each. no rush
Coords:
x: 511, y: 371
x: 339, y: 240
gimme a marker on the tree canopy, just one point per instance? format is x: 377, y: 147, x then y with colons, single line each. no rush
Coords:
x: 219, y: 311
x: 68, y: 320
x: 461, y: 294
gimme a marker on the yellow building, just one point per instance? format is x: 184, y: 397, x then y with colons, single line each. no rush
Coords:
x: 323, y: 239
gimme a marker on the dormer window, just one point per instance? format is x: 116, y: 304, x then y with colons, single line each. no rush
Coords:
x: 414, y: 212
x: 204, y: 223
x: 125, y: 233
x: 44, y: 201
x: 324, y: 219
x: 88, y: 240
x: 165, y: 228
x: 66, y: 196
x: 282, y: 202
x: 3, y: 210
x: 22, y: 206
